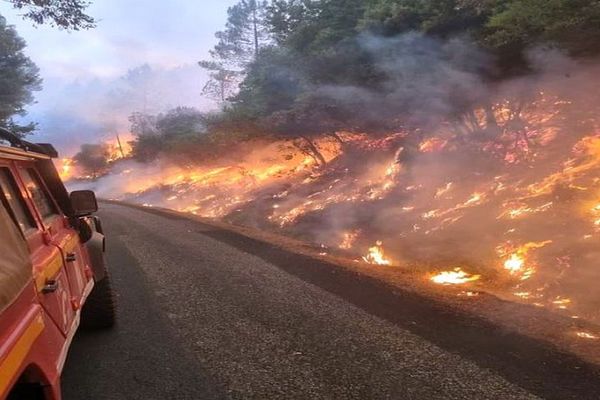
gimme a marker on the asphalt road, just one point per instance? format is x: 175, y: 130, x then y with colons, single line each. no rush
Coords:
x: 208, y: 314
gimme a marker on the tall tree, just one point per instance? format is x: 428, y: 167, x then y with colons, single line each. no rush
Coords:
x: 67, y: 14
x: 222, y: 83
x: 19, y: 78
x: 245, y: 34
x: 287, y: 17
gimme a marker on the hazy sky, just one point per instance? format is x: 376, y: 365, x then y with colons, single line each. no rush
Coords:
x: 170, y: 36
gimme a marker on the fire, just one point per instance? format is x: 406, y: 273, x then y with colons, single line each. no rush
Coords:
x: 432, y: 145
x: 376, y: 255
x: 523, y: 295
x: 469, y: 294
x: 514, y: 263
x: 444, y: 190
x: 596, y: 216
x: 516, y: 259
x: 65, y: 169
x: 119, y: 147
x: 349, y: 238
x: 562, y: 303
x: 514, y: 211
x: 589, y: 149
x: 587, y: 335
x: 475, y: 198
x: 491, y: 201
x: 375, y: 186
x: 454, y: 277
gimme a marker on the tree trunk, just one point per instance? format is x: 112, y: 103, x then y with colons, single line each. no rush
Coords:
x: 120, y: 146
x: 314, y: 150
x: 338, y: 138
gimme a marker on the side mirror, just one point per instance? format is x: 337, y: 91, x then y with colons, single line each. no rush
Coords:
x: 83, y: 202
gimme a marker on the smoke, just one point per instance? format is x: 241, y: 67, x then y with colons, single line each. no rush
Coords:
x: 421, y: 79
x: 96, y: 110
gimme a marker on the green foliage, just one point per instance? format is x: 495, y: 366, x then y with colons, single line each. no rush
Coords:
x: 245, y: 34
x: 180, y: 122
x: 19, y: 78
x: 288, y: 17
x: 371, y: 65
x: 271, y: 85
x: 67, y: 14
x: 175, y: 133
x: 222, y: 83
x: 573, y: 25
x: 437, y: 17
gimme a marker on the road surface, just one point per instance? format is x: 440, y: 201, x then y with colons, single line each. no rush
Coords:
x: 208, y: 314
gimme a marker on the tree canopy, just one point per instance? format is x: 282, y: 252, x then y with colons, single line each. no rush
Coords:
x: 303, y: 68
x: 66, y: 14
x: 348, y: 57
x: 19, y: 78
x: 176, y: 132
x: 245, y: 34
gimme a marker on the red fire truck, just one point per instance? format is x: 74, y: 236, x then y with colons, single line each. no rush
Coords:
x: 52, y: 272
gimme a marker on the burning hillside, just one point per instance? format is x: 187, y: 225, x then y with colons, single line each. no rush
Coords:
x: 507, y: 196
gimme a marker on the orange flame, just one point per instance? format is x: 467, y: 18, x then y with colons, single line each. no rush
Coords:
x: 348, y: 240
x: 376, y: 255
x: 516, y: 259
x: 65, y: 168
x: 587, y: 335
x: 454, y: 277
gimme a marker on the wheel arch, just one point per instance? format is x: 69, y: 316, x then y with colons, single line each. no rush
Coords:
x: 32, y: 384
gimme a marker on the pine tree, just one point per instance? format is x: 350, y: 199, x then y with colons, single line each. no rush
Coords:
x: 239, y: 44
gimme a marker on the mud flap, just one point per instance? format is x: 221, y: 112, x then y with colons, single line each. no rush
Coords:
x: 95, y: 247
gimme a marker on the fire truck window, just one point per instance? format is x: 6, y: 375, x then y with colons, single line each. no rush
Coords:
x: 14, y: 202
x: 38, y: 193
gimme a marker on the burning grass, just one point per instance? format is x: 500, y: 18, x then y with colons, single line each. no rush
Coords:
x: 454, y: 277
x: 519, y: 211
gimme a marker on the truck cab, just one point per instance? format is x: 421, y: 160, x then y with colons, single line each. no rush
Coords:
x: 52, y: 272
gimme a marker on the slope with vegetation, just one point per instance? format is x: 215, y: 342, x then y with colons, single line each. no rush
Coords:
x: 302, y: 68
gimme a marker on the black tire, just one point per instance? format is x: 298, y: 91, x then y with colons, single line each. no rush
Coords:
x: 27, y: 391
x: 99, y: 311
